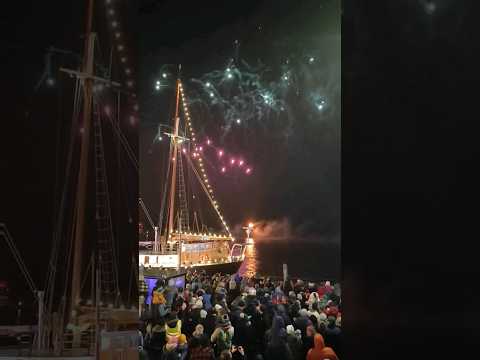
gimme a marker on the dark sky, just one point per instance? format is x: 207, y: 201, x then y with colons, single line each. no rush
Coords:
x: 298, y: 179
x: 36, y: 119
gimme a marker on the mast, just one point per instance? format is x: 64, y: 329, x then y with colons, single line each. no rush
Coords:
x: 171, y: 208
x: 82, y: 175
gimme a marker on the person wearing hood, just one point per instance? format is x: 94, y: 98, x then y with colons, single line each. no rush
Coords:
x: 320, y: 351
x: 277, y: 346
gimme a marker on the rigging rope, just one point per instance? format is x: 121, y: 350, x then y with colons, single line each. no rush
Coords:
x: 189, y: 160
x: 144, y: 208
x: 51, y: 275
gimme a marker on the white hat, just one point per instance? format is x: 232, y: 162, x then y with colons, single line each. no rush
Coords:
x: 299, y: 296
x: 218, y: 307
x: 203, y: 314
x: 252, y: 291
x: 290, y: 329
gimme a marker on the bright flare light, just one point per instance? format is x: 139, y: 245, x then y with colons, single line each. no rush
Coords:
x: 239, y: 121
x: 232, y: 161
x: 248, y: 171
x: 220, y: 153
x: 240, y: 163
x: 223, y: 169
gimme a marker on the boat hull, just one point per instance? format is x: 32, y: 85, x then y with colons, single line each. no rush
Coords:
x: 210, y: 269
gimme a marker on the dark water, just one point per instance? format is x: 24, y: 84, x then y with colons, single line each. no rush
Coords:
x: 310, y: 260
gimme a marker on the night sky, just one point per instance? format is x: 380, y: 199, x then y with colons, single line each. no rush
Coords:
x: 295, y: 153
x: 295, y: 157
x: 35, y: 124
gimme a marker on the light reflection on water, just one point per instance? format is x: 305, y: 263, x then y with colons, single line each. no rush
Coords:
x: 250, y: 264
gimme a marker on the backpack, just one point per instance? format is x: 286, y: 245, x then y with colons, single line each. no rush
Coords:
x: 224, y: 341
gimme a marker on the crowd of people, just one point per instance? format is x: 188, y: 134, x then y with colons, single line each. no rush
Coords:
x: 233, y: 317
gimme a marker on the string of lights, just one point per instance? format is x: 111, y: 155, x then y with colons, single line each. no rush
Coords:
x: 112, y: 10
x: 200, y: 162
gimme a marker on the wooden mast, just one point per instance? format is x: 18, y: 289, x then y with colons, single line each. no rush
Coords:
x: 171, y: 208
x: 87, y: 69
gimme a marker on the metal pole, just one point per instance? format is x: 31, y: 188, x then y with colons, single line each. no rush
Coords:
x: 155, y: 244
x: 40, y: 321
x: 98, y: 339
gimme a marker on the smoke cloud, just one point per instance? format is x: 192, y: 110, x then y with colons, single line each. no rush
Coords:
x: 283, y: 230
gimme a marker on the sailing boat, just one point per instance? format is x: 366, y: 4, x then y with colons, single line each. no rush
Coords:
x: 178, y: 245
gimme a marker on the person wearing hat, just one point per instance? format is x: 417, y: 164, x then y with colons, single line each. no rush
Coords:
x: 294, y: 342
x: 223, y: 334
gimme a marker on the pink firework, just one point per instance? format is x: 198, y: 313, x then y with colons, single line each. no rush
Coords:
x: 240, y: 163
x: 248, y: 171
x: 232, y: 161
x: 208, y: 142
x: 224, y: 169
x: 220, y: 153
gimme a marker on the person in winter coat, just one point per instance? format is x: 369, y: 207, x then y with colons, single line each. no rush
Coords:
x: 209, y: 321
x: 333, y: 334
x: 320, y: 352
x: 277, y: 346
x: 200, y: 349
x: 223, y: 334
x: 294, y: 342
x: 302, y: 321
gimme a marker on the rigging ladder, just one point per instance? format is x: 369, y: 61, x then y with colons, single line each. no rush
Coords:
x: 107, y: 258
